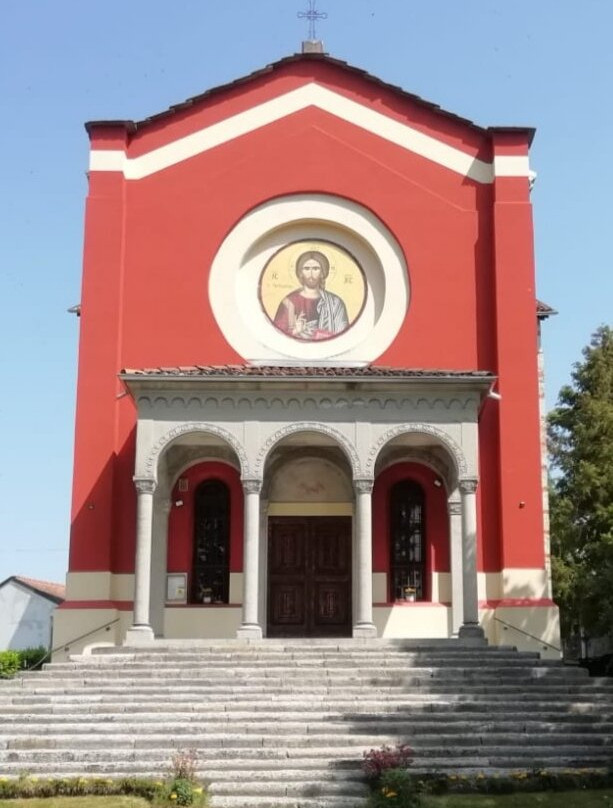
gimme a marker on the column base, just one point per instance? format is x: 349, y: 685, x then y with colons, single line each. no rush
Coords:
x: 249, y: 631
x: 471, y: 631
x: 139, y: 635
x: 364, y: 630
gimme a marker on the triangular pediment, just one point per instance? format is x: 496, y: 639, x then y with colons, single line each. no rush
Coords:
x: 312, y: 91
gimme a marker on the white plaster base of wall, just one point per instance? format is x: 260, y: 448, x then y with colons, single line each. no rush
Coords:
x: 528, y: 628
x: 70, y: 626
x: 414, y: 621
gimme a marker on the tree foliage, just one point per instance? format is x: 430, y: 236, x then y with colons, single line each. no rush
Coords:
x: 581, y: 453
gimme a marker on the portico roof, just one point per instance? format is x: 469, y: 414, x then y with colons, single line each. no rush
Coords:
x: 300, y: 372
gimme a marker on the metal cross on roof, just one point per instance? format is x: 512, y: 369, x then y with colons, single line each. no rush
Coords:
x: 312, y: 15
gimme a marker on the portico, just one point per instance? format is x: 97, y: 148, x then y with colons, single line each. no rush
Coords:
x: 307, y: 444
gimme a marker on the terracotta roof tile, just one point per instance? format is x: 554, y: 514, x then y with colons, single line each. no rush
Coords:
x: 543, y: 310
x: 298, y: 371
x: 56, y: 591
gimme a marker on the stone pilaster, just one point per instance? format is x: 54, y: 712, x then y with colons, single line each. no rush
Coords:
x: 454, y: 509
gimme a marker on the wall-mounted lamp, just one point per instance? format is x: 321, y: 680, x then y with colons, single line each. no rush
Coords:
x: 492, y: 394
x: 437, y: 482
x: 179, y: 503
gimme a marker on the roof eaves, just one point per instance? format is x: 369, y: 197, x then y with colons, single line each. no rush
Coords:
x: 528, y: 131
x: 133, y: 126
x: 46, y: 589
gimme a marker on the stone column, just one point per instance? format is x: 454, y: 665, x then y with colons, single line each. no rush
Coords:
x: 455, y: 551
x: 470, y: 626
x: 250, y: 627
x: 363, y: 625
x: 141, y: 631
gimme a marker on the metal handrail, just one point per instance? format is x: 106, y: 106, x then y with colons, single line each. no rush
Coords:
x: 527, y: 633
x: 66, y: 645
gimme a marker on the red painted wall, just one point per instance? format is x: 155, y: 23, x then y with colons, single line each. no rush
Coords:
x: 149, y: 245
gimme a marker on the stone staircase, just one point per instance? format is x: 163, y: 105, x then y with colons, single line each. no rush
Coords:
x: 285, y: 723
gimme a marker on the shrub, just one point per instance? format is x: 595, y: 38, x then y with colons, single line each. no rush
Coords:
x: 182, y: 788
x: 183, y: 764
x: 377, y: 761
x: 395, y: 788
x: 32, y: 658
x: 9, y: 664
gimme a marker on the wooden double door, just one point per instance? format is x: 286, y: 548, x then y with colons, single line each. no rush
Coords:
x: 309, y: 576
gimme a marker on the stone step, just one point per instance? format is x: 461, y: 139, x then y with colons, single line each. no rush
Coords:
x: 59, y: 712
x: 414, y: 727
x: 345, y: 661
x: 433, y: 692
x: 207, y: 763
x: 312, y: 787
x: 313, y: 657
x: 286, y: 723
x: 368, y: 713
x: 427, y: 758
x: 241, y: 740
x: 336, y: 669
x: 330, y: 801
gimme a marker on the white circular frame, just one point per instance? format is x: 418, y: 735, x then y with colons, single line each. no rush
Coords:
x: 237, y: 266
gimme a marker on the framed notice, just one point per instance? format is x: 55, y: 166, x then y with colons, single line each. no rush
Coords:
x: 176, y: 587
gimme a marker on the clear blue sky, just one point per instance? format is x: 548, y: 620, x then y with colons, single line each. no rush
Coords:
x: 542, y: 63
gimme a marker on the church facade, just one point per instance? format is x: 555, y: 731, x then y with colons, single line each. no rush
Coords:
x: 308, y: 396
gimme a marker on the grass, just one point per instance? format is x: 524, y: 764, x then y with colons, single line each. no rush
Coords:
x: 597, y: 798
x: 593, y: 798
x: 78, y: 802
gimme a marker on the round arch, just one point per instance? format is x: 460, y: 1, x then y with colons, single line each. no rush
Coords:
x: 454, y: 450
x: 161, y: 446
x: 307, y: 426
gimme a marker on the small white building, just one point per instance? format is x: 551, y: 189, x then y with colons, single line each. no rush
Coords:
x: 26, y: 611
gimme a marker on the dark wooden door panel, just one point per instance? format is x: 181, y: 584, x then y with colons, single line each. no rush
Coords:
x: 331, y: 606
x: 287, y: 550
x: 287, y: 605
x: 309, y: 577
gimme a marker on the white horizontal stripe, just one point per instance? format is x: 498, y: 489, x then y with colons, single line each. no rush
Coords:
x: 308, y: 95
x: 106, y: 160
x: 511, y: 166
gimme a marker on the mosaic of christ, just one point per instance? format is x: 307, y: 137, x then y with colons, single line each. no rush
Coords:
x: 312, y: 290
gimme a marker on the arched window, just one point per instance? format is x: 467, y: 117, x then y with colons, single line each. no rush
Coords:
x: 407, y: 568
x: 210, y: 581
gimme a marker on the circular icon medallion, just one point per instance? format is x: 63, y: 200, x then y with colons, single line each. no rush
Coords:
x: 312, y: 290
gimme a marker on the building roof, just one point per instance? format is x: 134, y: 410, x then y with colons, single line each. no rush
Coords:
x: 543, y: 310
x: 48, y: 589
x: 134, y: 126
x: 302, y: 372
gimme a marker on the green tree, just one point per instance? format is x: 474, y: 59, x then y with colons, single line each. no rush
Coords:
x: 581, y: 451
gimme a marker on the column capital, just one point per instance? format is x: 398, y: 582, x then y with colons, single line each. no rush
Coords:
x: 252, y: 486
x: 468, y: 485
x: 454, y: 507
x: 363, y: 486
x: 145, y: 485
